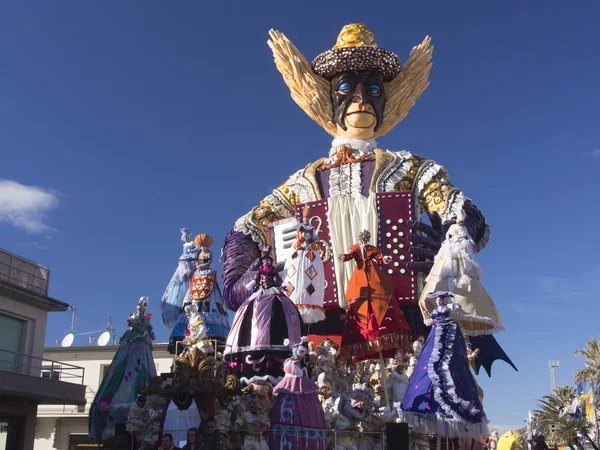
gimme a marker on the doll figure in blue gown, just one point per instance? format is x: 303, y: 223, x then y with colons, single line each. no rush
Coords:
x: 442, y: 397
x: 172, y: 300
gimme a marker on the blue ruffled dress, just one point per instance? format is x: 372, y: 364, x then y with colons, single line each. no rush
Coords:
x: 179, y: 286
x: 442, y: 395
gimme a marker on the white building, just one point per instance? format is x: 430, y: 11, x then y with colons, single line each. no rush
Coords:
x: 64, y: 427
x: 26, y: 379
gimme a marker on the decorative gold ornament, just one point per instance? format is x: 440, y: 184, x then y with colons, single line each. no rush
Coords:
x: 355, y: 35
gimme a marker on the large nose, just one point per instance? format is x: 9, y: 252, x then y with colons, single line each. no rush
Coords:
x: 359, y: 94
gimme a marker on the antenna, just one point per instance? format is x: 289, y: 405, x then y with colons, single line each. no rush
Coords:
x: 553, y: 365
x: 72, y: 308
x: 67, y: 341
x: 92, y: 340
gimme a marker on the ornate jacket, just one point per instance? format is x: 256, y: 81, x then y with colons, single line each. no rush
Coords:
x: 387, y: 171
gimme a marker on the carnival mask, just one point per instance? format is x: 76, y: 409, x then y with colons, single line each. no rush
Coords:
x: 205, y: 259
x: 358, y: 88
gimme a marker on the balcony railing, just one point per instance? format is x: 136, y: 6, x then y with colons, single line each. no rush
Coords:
x: 22, y: 272
x: 40, y: 367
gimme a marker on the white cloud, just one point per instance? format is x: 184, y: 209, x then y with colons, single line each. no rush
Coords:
x: 25, y: 206
x: 594, y: 153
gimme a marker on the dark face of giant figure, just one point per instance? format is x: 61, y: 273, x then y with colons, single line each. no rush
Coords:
x: 358, y: 99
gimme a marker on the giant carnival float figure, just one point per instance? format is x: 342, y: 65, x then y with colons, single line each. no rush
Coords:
x: 359, y: 92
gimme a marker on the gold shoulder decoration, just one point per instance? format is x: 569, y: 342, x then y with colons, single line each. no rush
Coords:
x: 432, y: 187
x: 391, y: 169
x: 301, y: 187
x: 310, y: 91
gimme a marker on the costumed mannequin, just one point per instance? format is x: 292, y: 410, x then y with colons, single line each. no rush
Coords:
x: 205, y: 294
x: 131, y: 369
x: 352, y: 410
x: 172, y: 299
x: 297, y: 418
x: 456, y: 260
x: 142, y: 421
x: 357, y: 92
x: 398, y: 383
x: 255, y: 421
x: 494, y: 437
x: 375, y: 323
x: 442, y: 397
x: 304, y: 274
x: 417, y: 347
x: 255, y: 345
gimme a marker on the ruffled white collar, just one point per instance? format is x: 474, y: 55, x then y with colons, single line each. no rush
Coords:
x: 360, y: 146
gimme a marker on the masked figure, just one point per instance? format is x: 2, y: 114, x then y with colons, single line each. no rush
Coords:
x: 304, y: 274
x: 357, y: 92
x: 375, y: 322
x: 205, y: 295
x: 256, y: 346
x: 131, y: 368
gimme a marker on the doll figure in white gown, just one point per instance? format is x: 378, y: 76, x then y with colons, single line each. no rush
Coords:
x: 304, y: 274
x: 456, y: 261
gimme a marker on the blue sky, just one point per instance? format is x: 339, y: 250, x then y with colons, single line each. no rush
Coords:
x: 133, y: 119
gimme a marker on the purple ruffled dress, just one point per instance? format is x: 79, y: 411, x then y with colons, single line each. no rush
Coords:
x: 297, y: 417
x: 255, y: 345
x: 442, y: 395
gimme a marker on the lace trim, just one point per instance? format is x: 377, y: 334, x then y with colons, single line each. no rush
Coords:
x: 395, y: 173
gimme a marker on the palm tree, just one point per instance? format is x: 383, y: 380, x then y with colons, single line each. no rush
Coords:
x: 591, y: 372
x: 562, y: 428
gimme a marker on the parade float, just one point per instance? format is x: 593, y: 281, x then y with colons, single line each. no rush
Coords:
x: 371, y: 249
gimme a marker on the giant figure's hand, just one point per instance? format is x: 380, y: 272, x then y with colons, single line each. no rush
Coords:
x: 424, y: 247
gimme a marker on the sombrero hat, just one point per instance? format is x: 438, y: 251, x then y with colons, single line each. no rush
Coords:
x: 356, y: 49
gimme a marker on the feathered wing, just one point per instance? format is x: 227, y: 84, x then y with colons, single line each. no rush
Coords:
x: 310, y: 91
x: 404, y: 90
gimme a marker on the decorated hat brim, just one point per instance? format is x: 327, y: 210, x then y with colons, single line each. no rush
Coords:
x: 337, y: 60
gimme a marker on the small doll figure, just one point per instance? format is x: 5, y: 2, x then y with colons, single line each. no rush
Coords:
x: 374, y: 319
x: 456, y: 259
x: 296, y: 407
x: 304, y: 274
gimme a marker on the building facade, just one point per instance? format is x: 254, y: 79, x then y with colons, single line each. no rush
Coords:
x: 26, y: 378
x: 65, y: 427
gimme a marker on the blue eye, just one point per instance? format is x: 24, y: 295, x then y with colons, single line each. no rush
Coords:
x: 345, y: 87
x: 374, y: 89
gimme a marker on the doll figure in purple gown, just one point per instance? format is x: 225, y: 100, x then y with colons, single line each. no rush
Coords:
x: 297, y: 418
x: 442, y: 395
x: 256, y: 346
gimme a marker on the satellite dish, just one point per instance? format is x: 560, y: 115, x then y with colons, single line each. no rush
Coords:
x: 104, y: 339
x: 68, y: 340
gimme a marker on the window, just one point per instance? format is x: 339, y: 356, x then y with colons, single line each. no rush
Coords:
x: 11, y: 342
x: 81, y: 442
x: 103, y: 371
x: 50, y: 373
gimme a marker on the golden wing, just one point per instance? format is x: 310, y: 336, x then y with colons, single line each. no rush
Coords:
x: 310, y: 91
x: 405, y: 89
